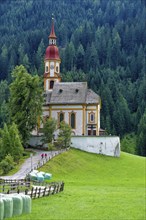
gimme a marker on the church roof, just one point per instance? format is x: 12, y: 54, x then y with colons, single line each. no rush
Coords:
x: 92, y: 97
x: 52, y: 52
x: 71, y: 93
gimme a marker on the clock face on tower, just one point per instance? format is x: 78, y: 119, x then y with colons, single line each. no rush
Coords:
x: 51, y: 66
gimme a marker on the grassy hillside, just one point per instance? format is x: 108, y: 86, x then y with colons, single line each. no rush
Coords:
x: 96, y: 187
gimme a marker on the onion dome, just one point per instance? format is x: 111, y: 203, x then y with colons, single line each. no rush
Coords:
x: 52, y: 52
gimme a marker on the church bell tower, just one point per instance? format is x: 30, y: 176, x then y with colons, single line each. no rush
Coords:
x: 52, y: 62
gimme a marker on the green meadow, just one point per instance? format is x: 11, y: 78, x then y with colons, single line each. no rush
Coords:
x: 96, y: 187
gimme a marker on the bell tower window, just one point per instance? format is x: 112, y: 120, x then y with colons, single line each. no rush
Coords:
x: 51, y: 84
x: 47, y: 69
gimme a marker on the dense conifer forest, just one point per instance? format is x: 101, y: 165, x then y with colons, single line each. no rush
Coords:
x: 102, y: 42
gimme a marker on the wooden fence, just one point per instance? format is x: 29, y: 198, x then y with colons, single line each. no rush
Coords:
x: 33, y: 189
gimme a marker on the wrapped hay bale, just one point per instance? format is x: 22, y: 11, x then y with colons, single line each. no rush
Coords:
x: 48, y: 176
x: 40, y: 177
x: 26, y: 203
x: 8, y: 206
x: 41, y: 173
x: 33, y: 176
x: 17, y: 204
x: 35, y: 171
x: 1, y: 209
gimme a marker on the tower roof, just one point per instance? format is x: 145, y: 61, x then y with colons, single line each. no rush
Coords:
x: 52, y: 52
x: 52, y: 33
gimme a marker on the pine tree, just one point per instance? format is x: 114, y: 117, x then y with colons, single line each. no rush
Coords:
x: 141, y: 136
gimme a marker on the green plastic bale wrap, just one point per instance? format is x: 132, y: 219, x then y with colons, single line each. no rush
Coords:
x: 26, y: 203
x: 40, y: 177
x: 1, y: 209
x: 17, y: 204
x: 8, y: 206
x: 48, y: 176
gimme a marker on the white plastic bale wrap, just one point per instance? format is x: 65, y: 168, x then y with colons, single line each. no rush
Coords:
x: 26, y: 203
x: 17, y: 204
x: 1, y: 208
x: 35, y: 171
x: 8, y: 206
x: 41, y: 173
x: 33, y: 176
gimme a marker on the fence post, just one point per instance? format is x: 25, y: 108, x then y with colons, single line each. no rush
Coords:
x: 44, y: 191
x: 62, y: 187
x: 39, y: 193
x: 31, y: 194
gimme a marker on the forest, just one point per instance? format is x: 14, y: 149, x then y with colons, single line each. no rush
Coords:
x: 102, y: 42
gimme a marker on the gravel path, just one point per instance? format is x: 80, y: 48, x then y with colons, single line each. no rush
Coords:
x: 32, y: 163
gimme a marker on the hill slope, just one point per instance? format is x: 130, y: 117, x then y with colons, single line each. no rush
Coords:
x: 96, y: 187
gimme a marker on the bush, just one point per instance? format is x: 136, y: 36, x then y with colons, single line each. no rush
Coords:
x: 7, y: 164
x: 128, y: 143
x: 4, y: 166
x: 59, y: 143
x: 64, y: 136
x: 50, y: 146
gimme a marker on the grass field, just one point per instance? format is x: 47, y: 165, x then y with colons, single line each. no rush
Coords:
x: 96, y: 187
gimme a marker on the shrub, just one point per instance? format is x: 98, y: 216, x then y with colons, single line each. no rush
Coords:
x: 50, y: 146
x: 128, y: 143
x: 7, y: 164
x: 59, y: 143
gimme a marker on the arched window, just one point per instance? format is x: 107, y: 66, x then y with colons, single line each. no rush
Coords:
x: 91, y: 117
x: 60, y: 117
x: 47, y: 69
x: 73, y: 120
x: 51, y: 84
x: 57, y: 69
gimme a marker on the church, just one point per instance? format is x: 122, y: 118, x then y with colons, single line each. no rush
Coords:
x: 72, y: 102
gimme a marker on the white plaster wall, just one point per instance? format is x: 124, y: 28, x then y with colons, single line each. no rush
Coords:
x: 98, y: 116
x: 106, y: 145
x: 56, y: 110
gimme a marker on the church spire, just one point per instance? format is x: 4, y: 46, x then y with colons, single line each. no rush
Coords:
x: 52, y: 36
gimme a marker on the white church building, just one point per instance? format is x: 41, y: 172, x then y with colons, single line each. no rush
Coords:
x: 74, y: 103
x: 71, y: 102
